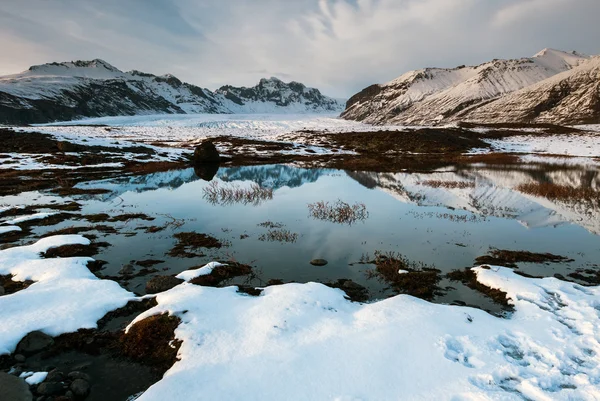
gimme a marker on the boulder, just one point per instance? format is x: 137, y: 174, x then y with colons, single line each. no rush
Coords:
x: 161, y: 283
x: 206, y: 171
x: 79, y: 375
x: 14, y: 388
x: 205, y: 153
x: 318, y: 262
x: 51, y: 388
x: 34, y: 342
x: 2, y: 290
x: 80, y: 388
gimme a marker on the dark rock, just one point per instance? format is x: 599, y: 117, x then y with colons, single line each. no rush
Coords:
x: 80, y: 388
x: 69, y: 394
x: 19, y: 358
x: 354, y: 291
x: 206, y: 152
x: 161, y: 283
x: 55, y: 376
x: 33, y: 342
x: 206, y: 171
x: 2, y: 290
x: 79, y: 375
x: 13, y: 388
x: 50, y: 388
x: 127, y: 270
x: 318, y: 262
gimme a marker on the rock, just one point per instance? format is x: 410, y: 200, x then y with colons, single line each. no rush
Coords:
x: 2, y: 291
x: 206, y: 152
x: 80, y: 388
x: 34, y: 342
x: 79, y: 375
x: 206, y: 171
x: 161, y: 283
x: 127, y: 270
x: 55, y: 376
x: 318, y: 262
x: 19, y: 358
x: 50, y: 388
x: 13, y: 388
x: 69, y: 394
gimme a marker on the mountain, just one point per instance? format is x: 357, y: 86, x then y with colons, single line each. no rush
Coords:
x: 73, y: 90
x: 439, y: 95
x: 572, y: 97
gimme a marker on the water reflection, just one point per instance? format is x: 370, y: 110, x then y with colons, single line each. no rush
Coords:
x: 444, y: 219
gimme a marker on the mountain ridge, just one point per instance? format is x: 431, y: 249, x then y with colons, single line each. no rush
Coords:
x: 95, y: 88
x: 433, y: 96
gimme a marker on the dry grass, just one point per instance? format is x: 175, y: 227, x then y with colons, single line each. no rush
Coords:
x: 339, y: 212
x: 417, y: 279
x: 186, y: 242
x: 271, y: 224
x: 562, y: 193
x: 503, y: 257
x: 448, y: 184
x: 279, y: 235
x: 230, y: 194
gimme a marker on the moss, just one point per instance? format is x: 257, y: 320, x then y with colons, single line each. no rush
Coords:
x: 75, y: 250
x: 507, y: 258
x: 10, y: 286
x: 192, y: 241
x: 222, y: 273
x: 469, y: 278
x: 152, y: 341
x: 417, y: 279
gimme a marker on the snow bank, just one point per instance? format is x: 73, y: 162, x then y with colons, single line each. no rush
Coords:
x: 65, y: 297
x: 203, y: 271
x: 35, y: 216
x: 307, y: 342
x: 7, y: 229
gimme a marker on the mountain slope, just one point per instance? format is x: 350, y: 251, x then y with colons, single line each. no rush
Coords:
x: 72, y: 90
x: 572, y: 97
x: 436, y: 95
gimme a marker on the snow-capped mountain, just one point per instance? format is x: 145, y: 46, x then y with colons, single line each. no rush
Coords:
x: 572, y: 97
x: 439, y: 95
x: 72, y: 90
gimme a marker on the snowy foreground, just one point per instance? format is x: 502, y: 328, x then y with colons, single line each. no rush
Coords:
x: 307, y: 342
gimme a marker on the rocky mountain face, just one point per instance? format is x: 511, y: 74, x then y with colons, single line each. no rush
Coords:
x: 73, y: 90
x: 437, y: 95
x: 572, y: 97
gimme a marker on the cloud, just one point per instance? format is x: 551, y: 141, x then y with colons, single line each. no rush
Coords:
x: 339, y: 46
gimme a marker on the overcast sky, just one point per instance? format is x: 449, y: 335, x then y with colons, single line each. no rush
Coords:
x: 338, y: 46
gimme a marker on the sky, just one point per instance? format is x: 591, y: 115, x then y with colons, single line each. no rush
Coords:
x: 338, y: 46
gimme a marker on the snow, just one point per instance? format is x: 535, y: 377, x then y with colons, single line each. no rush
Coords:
x: 56, y: 80
x: 203, y: 271
x: 312, y: 343
x: 429, y: 96
x: 35, y: 216
x: 65, y: 297
x: 33, y: 378
x: 7, y: 229
x: 583, y: 145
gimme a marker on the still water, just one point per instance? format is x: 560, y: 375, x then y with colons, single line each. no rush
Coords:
x: 443, y: 219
